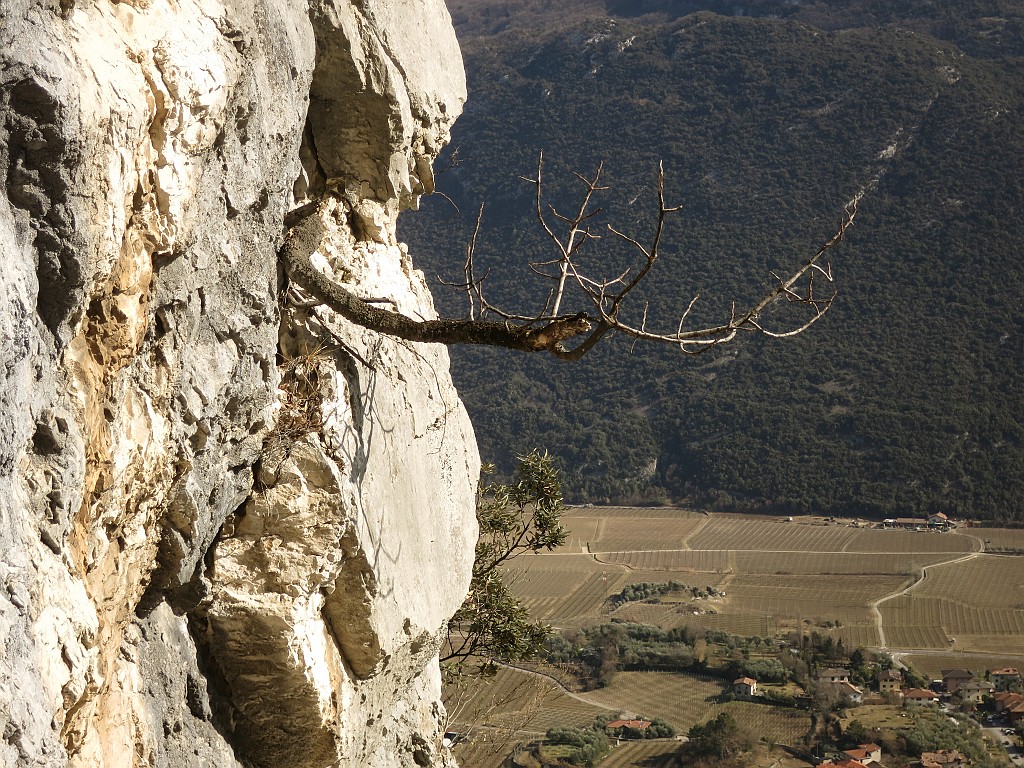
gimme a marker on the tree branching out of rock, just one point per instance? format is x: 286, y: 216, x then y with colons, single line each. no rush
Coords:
x: 515, y: 518
x: 607, y: 301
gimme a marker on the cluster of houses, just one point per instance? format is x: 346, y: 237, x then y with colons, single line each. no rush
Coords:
x: 864, y: 756
x: 935, y: 522
x: 870, y: 756
x: 957, y: 684
x: 962, y: 685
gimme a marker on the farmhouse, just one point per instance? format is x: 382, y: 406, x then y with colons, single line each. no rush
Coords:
x: 976, y: 690
x: 952, y: 679
x: 890, y: 681
x: 1016, y: 713
x: 939, y: 520
x: 841, y: 764
x: 1010, y: 703
x: 848, y: 691
x: 834, y: 675
x: 1005, y: 699
x: 1004, y: 677
x: 920, y: 695
x: 908, y: 522
x: 635, y: 725
x: 866, y: 754
x: 744, y: 686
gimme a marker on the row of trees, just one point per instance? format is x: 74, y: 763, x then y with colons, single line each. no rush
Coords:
x: 588, y: 744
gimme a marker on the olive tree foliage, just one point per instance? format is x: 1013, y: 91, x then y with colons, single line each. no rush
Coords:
x: 588, y: 298
x: 515, y: 518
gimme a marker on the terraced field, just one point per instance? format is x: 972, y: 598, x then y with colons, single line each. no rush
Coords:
x: 893, y: 540
x: 857, y: 635
x: 640, y: 754
x: 622, y: 534
x: 513, y: 701
x: 484, y: 750
x: 686, y: 700
x: 682, y: 700
x: 1001, y: 539
x: 916, y: 636
x: 931, y: 664
x: 827, y: 599
x: 670, y: 560
x: 563, y: 586
x: 732, y: 532
x: 994, y: 581
x: 936, y: 595
x: 975, y: 604
x: 829, y: 563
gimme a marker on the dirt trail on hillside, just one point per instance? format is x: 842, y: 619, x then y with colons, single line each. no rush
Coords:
x: 882, y: 644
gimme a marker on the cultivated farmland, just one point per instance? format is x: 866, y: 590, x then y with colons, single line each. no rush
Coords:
x: 931, y: 664
x: 839, y: 599
x: 686, y: 700
x: 937, y: 595
x: 670, y: 560
x: 518, y: 701
x: 1002, y: 539
x: 682, y: 700
x: 622, y: 534
x: 640, y: 754
x: 730, y: 532
x: 974, y: 604
x: 834, y: 563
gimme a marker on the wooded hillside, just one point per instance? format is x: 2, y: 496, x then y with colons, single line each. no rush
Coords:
x: 908, y: 396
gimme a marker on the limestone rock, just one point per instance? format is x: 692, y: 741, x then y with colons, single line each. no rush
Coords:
x: 229, y: 533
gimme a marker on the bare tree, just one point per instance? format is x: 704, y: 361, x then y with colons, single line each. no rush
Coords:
x: 568, y: 336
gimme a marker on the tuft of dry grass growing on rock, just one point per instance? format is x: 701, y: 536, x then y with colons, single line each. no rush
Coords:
x: 303, y: 378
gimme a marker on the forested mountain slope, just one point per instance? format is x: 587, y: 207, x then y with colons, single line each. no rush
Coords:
x: 908, y: 396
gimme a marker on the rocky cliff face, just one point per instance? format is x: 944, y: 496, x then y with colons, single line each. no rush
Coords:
x: 232, y: 525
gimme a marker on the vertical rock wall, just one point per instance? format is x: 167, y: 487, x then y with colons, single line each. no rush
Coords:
x: 231, y: 524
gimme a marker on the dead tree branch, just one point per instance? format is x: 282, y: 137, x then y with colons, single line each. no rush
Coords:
x: 605, y: 298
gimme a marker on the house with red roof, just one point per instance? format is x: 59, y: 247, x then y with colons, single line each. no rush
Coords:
x: 1004, y: 677
x: 865, y: 753
x: 848, y: 763
x: 744, y: 686
x: 636, y: 725
x: 920, y: 695
x: 1003, y: 700
x: 1010, y: 703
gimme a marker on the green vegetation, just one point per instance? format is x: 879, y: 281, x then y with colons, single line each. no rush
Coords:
x: 932, y: 730
x: 598, y: 652
x: 658, y: 729
x: 646, y: 591
x: 763, y: 670
x: 514, y: 518
x: 588, y: 745
x: 719, y: 738
x: 907, y: 397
